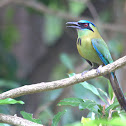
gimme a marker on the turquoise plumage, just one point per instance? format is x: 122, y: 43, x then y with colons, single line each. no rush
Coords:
x: 102, y: 51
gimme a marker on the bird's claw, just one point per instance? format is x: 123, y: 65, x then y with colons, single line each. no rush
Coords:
x: 98, y: 70
x: 84, y: 72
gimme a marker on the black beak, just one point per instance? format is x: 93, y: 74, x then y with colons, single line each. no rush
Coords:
x: 73, y: 25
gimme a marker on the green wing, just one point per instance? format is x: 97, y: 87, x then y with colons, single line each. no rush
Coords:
x: 102, y: 50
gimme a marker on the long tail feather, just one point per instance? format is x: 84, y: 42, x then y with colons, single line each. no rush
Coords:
x: 117, y: 90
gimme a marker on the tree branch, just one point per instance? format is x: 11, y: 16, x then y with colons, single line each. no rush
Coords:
x: 46, y: 86
x: 17, y: 121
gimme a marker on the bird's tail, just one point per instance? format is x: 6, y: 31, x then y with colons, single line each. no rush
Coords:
x: 117, y: 90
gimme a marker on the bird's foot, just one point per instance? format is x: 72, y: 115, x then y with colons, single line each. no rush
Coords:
x: 99, y: 69
x: 84, y: 72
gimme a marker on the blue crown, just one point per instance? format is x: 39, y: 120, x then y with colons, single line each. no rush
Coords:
x: 85, y: 21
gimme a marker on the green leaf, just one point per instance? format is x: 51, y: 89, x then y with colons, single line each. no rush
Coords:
x: 57, y: 117
x: 103, y: 122
x: 103, y: 92
x: 70, y: 101
x: 84, y: 121
x: 10, y: 101
x: 29, y: 117
x: 110, y: 91
x: 93, y: 90
x: 100, y: 108
x: 83, y: 104
x: 88, y: 104
x: 112, y: 106
x: 115, y: 114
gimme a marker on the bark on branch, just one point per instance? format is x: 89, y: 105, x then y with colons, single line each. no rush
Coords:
x: 16, y: 121
x: 46, y: 86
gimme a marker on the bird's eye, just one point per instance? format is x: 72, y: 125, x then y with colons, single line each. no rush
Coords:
x: 85, y: 24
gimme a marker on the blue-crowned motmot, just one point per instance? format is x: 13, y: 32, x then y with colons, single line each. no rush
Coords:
x: 95, y: 51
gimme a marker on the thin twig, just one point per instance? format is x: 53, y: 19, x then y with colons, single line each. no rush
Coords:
x: 46, y: 86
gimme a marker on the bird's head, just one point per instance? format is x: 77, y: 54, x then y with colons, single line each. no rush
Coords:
x: 83, y: 26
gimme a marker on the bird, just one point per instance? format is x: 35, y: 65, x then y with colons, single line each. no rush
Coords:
x: 94, y: 50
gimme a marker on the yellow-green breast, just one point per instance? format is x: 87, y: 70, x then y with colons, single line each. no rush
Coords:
x: 85, y: 48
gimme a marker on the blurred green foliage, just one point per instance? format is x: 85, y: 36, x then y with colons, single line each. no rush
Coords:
x: 100, y: 113
x: 54, y: 25
x: 75, y: 124
x: 2, y: 124
x: 29, y: 117
x: 46, y: 116
x: 53, y: 29
x: 8, y: 64
x: 114, y: 122
x: 10, y: 34
x: 76, y: 8
x: 57, y: 118
x: 8, y: 37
